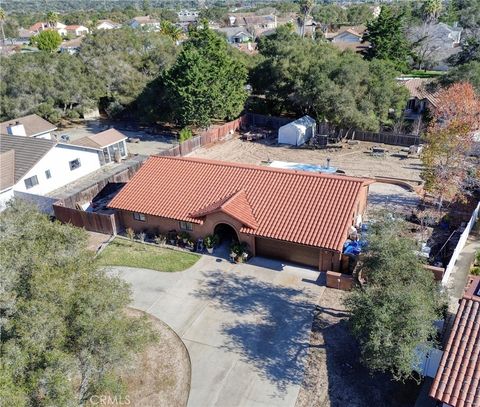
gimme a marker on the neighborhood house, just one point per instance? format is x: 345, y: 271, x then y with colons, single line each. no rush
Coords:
x: 146, y: 22
x: 111, y: 142
x: 28, y: 126
x: 38, y: 166
x: 421, y: 97
x: 292, y: 215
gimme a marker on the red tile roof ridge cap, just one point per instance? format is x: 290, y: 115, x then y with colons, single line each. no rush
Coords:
x: 265, y: 168
x: 221, y: 205
x: 472, y: 289
x: 233, y: 197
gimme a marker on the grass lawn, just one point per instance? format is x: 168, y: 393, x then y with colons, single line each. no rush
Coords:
x: 425, y: 74
x: 121, y: 252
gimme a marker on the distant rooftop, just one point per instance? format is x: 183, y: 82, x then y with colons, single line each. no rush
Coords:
x: 101, y: 140
x: 34, y: 125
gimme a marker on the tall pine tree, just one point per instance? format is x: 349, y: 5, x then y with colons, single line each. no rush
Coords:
x: 387, y: 38
x: 206, y: 82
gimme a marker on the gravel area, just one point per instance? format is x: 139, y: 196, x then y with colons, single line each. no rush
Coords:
x: 334, y: 376
x: 393, y: 198
x: 353, y: 159
x: 160, y: 376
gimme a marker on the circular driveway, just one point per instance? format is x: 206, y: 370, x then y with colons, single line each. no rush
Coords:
x: 246, y: 326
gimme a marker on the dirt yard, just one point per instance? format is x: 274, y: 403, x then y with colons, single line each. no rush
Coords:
x: 353, y: 159
x: 160, y: 376
x: 334, y: 376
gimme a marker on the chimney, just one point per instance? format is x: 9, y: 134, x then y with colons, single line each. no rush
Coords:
x: 16, y: 129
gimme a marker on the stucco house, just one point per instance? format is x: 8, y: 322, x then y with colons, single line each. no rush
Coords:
x: 348, y: 37
x: 76, y: 30
x: 38, y: 166
x: 296, y: 216
x: 28, y: 126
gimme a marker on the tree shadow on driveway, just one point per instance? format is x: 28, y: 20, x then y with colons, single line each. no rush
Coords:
x: 273, y: 325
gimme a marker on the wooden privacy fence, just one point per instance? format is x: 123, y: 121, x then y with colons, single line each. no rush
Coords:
x: 386, y: 138
x: 404, y: 140
x: 212, y: 135
x: 95, y: 222
x: 223, y: 132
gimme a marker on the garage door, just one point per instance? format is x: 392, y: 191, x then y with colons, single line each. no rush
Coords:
x: 287, y: 251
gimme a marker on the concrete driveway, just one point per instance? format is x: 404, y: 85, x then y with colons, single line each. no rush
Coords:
x: 246, y: 327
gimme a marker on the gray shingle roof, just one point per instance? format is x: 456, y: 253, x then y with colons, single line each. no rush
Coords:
x: 28, y: 152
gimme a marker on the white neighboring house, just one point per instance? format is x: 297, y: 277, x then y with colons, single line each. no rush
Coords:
x: 111, y: 142
x: 297, y: 132
x: 76, y: 30
x: 28, y: 126
x: 106, y: 25
x: 146, y: 22
x: 38, y: 166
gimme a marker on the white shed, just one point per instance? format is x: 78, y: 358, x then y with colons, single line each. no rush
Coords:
x: 297, y: 132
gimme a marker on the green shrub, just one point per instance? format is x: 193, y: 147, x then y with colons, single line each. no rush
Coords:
x: 185, y: 134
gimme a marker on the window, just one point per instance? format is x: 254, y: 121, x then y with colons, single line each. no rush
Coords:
x: 31, y: 182
x: 48, y: 174
x: 186, y: 226
x: 139, y: 216
x: 122, y: 148
x: 106, y: 155
x: 74, y: 164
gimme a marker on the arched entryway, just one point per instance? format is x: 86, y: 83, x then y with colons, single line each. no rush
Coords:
x: 226, y: 233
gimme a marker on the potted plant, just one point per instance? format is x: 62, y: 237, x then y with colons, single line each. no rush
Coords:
x: 160, y: 239
x: 191, y: 245
x: 209, y: 242
x: 239, y: 252
x: 185, y: 237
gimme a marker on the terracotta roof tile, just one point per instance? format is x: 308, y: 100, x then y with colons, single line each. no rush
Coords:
x: 296, y: 206
x: 457, y: 381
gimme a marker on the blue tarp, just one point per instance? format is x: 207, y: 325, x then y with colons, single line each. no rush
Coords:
x: 352, y: 247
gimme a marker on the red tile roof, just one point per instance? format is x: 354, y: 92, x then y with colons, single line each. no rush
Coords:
x: 296, y: 206
x: 457, y: 381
